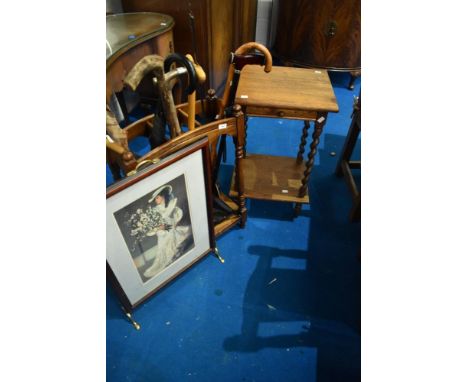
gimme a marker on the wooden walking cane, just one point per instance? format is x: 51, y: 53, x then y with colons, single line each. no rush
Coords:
x: 192, y: 85
x: 164, y: 82
x: 238, y: 60
x: 114, y: 130
x: 141, y: 69
x: 192, y: 99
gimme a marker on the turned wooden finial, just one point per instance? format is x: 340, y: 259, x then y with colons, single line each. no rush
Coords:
x: 128, y: 156
x: 237, y: 109
x: 211, y: 93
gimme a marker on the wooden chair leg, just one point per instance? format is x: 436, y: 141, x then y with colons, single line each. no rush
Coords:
x: 354, y: 75
x: 348, y: 147
x: 355, y: 213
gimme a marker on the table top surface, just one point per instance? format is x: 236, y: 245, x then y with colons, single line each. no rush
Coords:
x: 286, y: 87
x: 124, y: 30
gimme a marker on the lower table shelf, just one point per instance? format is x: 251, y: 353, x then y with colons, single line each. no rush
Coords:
x: 269, y: 177
x: 229, y: 221
x: 226, y: 224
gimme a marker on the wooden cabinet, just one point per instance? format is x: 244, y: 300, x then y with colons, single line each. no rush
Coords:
x: 319, y: 33
x: 220, y: 27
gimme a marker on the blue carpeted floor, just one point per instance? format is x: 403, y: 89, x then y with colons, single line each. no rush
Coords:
x: 285, y: 306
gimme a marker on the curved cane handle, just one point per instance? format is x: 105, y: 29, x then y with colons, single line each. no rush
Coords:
x: 243, y: 49
x: 146, y: 65
x: 201, y: 75
x: 183, y: 61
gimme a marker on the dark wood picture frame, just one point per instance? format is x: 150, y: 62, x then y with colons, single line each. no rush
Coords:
x: 145, y: 174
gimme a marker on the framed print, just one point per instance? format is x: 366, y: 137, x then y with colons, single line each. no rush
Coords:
x: 159, y: 223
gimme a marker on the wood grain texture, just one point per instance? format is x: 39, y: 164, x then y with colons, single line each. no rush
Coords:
x: 221, y: 41
x: 319, y: 33
x: 226, y: 224
x: 280, y: 112
x: 271, y: 178
x: 286, y: 89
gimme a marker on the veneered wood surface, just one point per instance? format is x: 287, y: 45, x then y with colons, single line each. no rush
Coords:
x: 271, y: 178
x: 304, y: 33
x: 280, y: 112
x: 124, y: 31
x: 286, y: 88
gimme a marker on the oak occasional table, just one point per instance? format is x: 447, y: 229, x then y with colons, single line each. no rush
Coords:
x: 290, y: 93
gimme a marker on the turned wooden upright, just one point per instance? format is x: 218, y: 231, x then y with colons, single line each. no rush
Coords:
x: 290, y: 93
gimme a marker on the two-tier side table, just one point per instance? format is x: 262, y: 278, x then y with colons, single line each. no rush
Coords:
x: 290, y: 93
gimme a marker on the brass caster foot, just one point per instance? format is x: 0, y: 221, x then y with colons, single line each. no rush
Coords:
x: 216, y: 253
x: 135, y: 324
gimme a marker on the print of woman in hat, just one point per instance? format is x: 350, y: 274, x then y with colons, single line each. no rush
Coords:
x: 170, y: 235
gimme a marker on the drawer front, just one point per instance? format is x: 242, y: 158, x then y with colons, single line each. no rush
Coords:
x: 280, y: 113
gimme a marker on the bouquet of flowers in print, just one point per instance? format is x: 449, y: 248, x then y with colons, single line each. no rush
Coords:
x: 142, y: 223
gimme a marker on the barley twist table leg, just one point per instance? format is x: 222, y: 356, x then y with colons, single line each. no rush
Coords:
x: 240, y: 154
x: 318, y: 128
x: 246, y: 118
x: 240, y: 185
x: 305, y: 132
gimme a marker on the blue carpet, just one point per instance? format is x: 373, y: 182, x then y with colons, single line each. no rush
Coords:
x: 285, y: 306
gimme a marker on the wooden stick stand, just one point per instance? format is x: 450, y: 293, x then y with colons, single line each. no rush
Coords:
x: 233, y: 126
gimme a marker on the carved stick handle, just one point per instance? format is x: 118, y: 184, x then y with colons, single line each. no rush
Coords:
x: 167, y: 100
x: 115, y: 131
x: 115, y: 147
x: 146, y: 65
x: 201, y: 75
x: 243, y: 49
